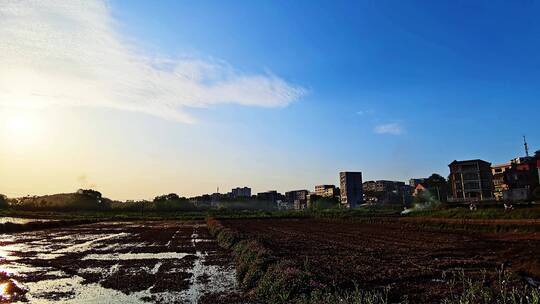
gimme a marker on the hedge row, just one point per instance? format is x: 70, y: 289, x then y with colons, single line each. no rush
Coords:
x: 259, y: 272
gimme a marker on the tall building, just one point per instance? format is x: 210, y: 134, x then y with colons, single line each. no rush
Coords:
x: 470, y: 180
x: 241, y: 192
x: 351, y: 189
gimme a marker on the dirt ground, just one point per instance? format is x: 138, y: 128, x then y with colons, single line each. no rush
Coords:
x: 130, y: 262
x: 407, y: 259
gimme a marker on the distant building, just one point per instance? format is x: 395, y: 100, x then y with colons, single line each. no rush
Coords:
x: 326, y: 191
x: 270, y: 196
x: 312, y: 198
x: 499, y: 180
x: 413, y: 182
x: 283, y: 205
x: 297, y: 198
x: 241, y: 192
x: 384, y: 191
x: 419, y: 189
x: 521, y: 178
x: 351, y: 189
x: 470, y: 180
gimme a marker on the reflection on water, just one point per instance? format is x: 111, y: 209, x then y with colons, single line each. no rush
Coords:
x: 4, y: 289
x: 10, y: 290
x: 20, y: 220
x: 136, y: 256
x: 114, y: 263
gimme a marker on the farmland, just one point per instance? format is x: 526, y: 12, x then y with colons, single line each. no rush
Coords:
x: 117, y: 262
x: 263, y: 258
x: 408, y: 262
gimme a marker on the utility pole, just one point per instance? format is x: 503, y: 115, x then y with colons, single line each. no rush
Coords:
x: 526, y: 146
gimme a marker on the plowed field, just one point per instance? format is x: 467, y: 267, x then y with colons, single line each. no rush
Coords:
x: 407, y: 259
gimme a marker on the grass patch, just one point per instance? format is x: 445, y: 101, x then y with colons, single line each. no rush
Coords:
x: 508, y: 289
x: 198, y: 214
x: 482, y: 213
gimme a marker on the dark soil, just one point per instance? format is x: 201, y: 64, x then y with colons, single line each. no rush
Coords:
x: 408, y: 259
x: 74, y: 245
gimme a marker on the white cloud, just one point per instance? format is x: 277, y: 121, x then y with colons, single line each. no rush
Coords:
x: 69, y: 53
x: 365, y: 112
x: 391, y: 128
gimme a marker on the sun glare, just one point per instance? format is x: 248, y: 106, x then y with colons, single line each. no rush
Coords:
x: 20, y: 124
x: 21, y: 127
x: 4, y: 291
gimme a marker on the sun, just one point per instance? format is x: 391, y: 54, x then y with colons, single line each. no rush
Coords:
x: 19, y: 123
x: 21, y: 127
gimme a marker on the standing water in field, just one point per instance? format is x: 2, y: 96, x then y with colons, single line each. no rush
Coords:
x: 20, y: 220
x: 132, y: 262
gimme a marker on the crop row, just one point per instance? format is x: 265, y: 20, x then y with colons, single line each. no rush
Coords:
x: 269, y: 279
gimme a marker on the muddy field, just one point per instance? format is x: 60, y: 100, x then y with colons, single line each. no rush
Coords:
x: 130, y: 262
x: 405, y: 258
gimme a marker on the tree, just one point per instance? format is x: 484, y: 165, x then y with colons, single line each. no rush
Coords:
x: 3, y: 201
x: 172, y: 202
x: 437, y: 186
x: 167, y: 197
x: 536, y: 193
x: 325, y: 203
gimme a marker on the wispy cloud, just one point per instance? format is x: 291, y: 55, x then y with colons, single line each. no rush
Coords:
x: 391, y: 128
x: 365, y: 112
x: 69, y: 53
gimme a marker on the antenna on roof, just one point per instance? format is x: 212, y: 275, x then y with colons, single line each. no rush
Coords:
x: 526, y: 146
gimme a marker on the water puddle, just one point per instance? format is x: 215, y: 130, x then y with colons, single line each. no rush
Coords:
x: 136, y: 256
x: 114, y: 263
x: 20, y: 220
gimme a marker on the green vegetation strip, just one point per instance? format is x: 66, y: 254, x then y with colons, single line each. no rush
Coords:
x: 519, y: 213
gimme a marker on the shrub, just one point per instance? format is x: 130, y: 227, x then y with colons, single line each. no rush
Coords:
x: 536, y: 193
x: 282, y: 282
x: 507, y: 290
x: 3, y: 201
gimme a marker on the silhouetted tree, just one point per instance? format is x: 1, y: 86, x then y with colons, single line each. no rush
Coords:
x: 172, y: 202
x: 536, y: 193
x: 3, y: 201
x: 325, y: 203
x: 437, y: 186
x: 90, y: 192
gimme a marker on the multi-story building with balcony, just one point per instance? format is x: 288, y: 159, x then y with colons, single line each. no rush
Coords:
x: 470, y: 180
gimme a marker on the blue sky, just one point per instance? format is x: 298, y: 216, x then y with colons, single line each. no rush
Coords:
x: 457, y: 76
x: 396, y: 89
